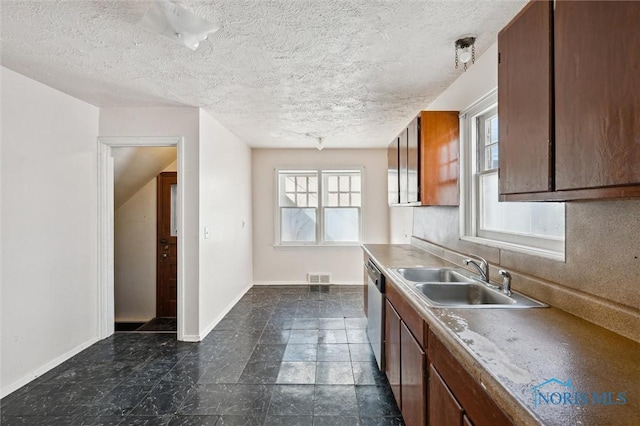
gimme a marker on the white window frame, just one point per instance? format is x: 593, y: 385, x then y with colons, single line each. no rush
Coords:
x: 320, y: 242
x: 469, y: 195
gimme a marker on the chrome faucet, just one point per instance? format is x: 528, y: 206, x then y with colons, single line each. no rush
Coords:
x: 482, y: 267
x: 506, y: 282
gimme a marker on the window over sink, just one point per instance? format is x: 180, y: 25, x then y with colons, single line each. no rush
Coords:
x: 536, y: 228
x: 319, y: 207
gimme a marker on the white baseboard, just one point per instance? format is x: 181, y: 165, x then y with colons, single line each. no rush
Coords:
x: 219, y: 318
x: 6, y: 390
x: 260, y: 283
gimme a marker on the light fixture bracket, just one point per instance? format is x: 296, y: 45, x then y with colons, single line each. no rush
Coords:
x: 467, y: 45
x: 178, y: 24
x: 463, y: 43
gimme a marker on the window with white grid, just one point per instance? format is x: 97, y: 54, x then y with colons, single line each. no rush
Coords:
x: 318, y: 207
x: 537, y: 228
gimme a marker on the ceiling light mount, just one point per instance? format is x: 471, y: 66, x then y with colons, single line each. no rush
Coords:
x: 175, y: 22
x: 465, y: 50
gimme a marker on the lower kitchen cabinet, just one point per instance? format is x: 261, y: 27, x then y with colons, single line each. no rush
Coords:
x: 444, y: 409
x: 392, y: 350
x: 412, y: 378
x: 406, y: 359
x: 455, y: 397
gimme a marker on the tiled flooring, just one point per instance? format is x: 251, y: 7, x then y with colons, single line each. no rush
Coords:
x: 282, y: 356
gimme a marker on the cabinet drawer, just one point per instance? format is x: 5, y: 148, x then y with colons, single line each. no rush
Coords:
x: 414, y: 322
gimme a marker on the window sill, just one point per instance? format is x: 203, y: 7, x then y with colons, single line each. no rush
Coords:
x: 549, y: 254
x: 305, y: 246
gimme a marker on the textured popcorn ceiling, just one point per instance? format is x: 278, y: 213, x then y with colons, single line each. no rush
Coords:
x: 353, y: 71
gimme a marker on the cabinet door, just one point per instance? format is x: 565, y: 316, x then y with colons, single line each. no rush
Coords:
x: 392, y: 172
x: 597, y: 93
x: 525, y: 101
x: 413, y: 160
x: 403, y: 147
x: 439, y: 154
x: 414, y: 389
x: 392, y: 350
x: 444, y: 410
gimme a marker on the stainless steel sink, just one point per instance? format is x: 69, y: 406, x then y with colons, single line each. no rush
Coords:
x: 432, y: 275
x: 458, y: 288
x: 472, y: 295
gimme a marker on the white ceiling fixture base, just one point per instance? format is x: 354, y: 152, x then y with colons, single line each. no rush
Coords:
x: 173, y: 21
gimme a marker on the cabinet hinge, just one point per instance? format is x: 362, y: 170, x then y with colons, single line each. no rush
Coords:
x: 498, y: 58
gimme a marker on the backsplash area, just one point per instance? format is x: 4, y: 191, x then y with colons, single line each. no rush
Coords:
x: 599, y: 279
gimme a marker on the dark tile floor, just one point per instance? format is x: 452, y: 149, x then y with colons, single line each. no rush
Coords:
x: 282, y: 356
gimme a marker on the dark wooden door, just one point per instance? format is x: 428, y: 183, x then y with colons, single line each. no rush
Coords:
x: 392, y: 350
x: 414, y: 388
x: 167, y: 251
x: 525, y: 101
x: 597, y: 66
x: 444, y: 409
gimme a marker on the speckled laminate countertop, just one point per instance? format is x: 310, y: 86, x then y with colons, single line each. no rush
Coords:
x: 510, y: 351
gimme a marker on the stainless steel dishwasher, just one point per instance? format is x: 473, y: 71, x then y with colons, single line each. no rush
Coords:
x: 375, y: 311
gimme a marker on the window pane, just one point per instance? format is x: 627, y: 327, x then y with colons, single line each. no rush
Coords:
x: 344, y: 183
x: 341, y: 224
x: 355, y: 200
x: 344, y: 199
x: 290, y: 184
x: 494, y: 130
x: 301, y: 200
x: 534, y: 219
x: 313, y: 200
x: 332, y: 199
x: 313, y: 184
x: 355, y: 183
x: 298, y: 225
x: 332, y: 183
x: 302, y: 183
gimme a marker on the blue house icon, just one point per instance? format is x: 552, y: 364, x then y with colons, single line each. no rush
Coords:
x: 536, y: 389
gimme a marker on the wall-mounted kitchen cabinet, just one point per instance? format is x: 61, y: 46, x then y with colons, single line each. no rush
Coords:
x: 569, y: 102
x: 439, y: 155
x: 423, y: 161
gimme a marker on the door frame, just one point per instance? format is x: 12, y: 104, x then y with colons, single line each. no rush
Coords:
x: 106, y: 296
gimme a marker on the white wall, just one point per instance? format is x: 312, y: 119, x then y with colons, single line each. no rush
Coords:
x: 135, y: 257
x: 135, y: 253
x: 225, y: 209
x: 281, y: 265
x: 49, y: 223
x: 171, y: 122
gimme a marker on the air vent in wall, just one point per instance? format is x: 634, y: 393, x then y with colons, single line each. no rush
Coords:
x: 318, y: 278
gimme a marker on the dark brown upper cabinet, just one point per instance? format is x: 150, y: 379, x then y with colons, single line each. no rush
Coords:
x: 597, y: 72
x: 525, y: 101
x: 402, y: 155
x: 569, y: 102
x: 423, y: 161
x: 439, y: 158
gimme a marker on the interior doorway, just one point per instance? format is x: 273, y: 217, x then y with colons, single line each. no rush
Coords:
x: 107, y: 240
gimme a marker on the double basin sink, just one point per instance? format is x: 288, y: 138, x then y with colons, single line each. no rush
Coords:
x: 457, y: 288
